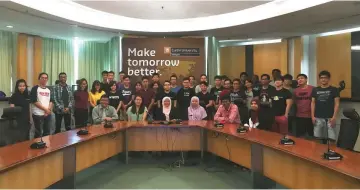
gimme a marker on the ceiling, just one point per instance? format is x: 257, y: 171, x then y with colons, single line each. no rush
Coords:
x: 169, y: 9
x: 322, y: 18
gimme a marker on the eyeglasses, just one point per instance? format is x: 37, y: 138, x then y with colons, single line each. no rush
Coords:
x: 43, y: 78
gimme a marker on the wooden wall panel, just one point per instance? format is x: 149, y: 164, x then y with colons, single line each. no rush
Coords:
x: 21, y: 64
x: 298, y: 55
x: 270, y: 56
x: 333, y: 53
x: 37, y: 58
x: 232, y: 61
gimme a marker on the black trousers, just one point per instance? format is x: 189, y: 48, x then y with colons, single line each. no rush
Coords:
x: 42, y: 125
x: 304, y: 126
x: 23, y: 128
x: 81, y: 117
x: 266, y: 118
x: 244, y: 114
x: 67, y: 121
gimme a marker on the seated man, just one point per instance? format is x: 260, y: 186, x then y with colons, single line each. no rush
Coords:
x: 227, y: 111
x: 103, y: 112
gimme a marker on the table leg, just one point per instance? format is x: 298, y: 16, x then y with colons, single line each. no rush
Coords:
x: 259, y: 180
x: 69, y: 170
x: 203, y: 143
x: 126, y: 146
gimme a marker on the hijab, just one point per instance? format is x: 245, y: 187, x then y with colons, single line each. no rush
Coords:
x: 196, y: 112
x: 255, y: 113
x: 166, y: 110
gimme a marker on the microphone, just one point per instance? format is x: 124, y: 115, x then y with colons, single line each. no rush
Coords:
x: 330, y: 154
x: 241, y: 129
x: 286, y: 140
x: 108, y: 124
x: 40, y: 144
x: 83, y: 131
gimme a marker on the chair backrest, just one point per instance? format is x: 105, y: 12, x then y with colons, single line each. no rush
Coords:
x: 349, y: 130
x: 2, y: 94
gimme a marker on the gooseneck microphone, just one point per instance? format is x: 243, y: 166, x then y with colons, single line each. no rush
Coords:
x: 40, y: 144
x: 330, y: 154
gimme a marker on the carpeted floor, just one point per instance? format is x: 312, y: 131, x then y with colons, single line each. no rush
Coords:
x: 155, y: 173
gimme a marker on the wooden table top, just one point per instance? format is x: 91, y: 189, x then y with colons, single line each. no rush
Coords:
x: 13, y: 155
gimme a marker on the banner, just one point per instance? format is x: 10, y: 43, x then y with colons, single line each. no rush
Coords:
x: 166, y: 56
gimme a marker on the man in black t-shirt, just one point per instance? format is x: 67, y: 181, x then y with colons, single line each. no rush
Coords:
x: 206, y: 100
x: 324, y: 108
x: 266, y: 116
x: 183, y: 98
x: 165, y: 92
x: 216, y: 90
x: 281, y: 104
x: 127, y: 96
x: 104, y: 84
x: 238, y: 97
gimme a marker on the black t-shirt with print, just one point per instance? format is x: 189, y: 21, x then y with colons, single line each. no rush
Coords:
x: 183, y: 97
x: 216, y: 92
x: 160, y: 95
x: 115, y: 98
x: 265, y: 96
x: 278, y: 100
x: 238, y: 98
x: 324, y: 101
x: 126, y: 93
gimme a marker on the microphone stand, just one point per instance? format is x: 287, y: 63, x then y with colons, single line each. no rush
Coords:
x: 83, y: 131
x: 330, y: 154
x: 40, y: 144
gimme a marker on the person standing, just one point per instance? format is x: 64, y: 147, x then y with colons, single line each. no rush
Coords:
x: 183, y: 99
x: 288, y: 80
x: 148, y: 97
x: 192, y: 82
x: 238, y: 97
x: 115, y: 97
x: 243, y: 77
x: 128, y: 96
x: 266, y: 115
x: 276, y: 73
x: 206, y: 100
x: 121, y: 79
x: 174, y: 87
x: 21, y: 98
x: 324, y: 108
x: 81, y: 97
x: 302, y: 98
x: 165, y: 92
x: 203, y: 78
x: 63, y: 98
x: 250, y: 92
x: 95, y: 95
x: 41, y: 106
x: 216, y: 90
x: 281, y: 104
x: 104, y: 83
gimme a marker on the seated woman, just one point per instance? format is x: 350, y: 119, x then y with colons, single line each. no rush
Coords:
x: 227, y: 111
x: 167, y: 112
x: 195, y: 111
x: 254, y: 114
x: 138, y: 111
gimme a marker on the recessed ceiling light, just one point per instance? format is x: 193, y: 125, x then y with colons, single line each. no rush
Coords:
x: 249, y: 39
x: 9, y: 26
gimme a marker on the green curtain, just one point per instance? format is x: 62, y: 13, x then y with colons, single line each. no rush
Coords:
x: 57, y: 57
x: 7, y: 60
x: 95, y: 57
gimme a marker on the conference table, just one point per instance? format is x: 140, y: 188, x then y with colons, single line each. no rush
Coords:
x: 298, y: 166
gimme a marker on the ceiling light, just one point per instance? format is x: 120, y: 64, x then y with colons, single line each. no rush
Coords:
x: 244, y: 43
x: 340, y: 32
x: 356, y: 48
x: 9, y: 26
x: 249, y: 39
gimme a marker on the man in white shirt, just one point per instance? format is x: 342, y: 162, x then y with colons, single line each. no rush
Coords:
x: 41, y: 106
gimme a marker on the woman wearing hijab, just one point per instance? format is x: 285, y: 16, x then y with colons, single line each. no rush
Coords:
x: 254, y: 114
x: 167, y: 113
x: 195, y: 111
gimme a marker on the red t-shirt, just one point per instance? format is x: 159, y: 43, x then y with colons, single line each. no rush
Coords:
x: 303, y: 101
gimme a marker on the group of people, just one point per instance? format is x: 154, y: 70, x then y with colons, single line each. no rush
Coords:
x: 280, y: 105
